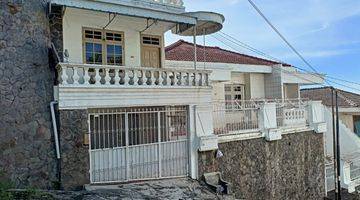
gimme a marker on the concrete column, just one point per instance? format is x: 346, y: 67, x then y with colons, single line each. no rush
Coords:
x: 316, y: 116
x: 268, y: 123
x: 345, y: 175
x: 193, y: 143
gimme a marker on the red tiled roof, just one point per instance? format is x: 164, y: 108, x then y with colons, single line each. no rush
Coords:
x: 346, y: 99
x: 184, y: 51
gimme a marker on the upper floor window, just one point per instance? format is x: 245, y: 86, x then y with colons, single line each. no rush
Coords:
x: 234, y: 92
x: 103, y: 47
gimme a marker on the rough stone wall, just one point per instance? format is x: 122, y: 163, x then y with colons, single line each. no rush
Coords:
x: 75, y: 155
x: 27, y: 154
x: 292, y: 168
x: 56, y: 30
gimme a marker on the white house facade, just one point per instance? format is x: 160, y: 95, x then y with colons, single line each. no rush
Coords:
x: 117, y: 106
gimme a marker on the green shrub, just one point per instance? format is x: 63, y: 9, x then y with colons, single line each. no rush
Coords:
x: 5, y: 186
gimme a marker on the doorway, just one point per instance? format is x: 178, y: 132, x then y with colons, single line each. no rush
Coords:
x: 150, y: 51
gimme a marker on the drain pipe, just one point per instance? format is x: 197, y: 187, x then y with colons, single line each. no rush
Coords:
x: 56, y: 138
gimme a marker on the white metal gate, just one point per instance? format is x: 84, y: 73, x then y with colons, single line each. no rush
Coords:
x: 138, y: 143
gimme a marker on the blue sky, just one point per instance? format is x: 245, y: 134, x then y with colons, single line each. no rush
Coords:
x: 326, y: 32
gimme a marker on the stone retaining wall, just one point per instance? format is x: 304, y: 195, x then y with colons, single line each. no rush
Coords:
x: 27, y: 155
x: 291, y: 168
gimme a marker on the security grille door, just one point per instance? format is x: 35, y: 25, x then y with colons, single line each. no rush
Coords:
x: 138, y: 143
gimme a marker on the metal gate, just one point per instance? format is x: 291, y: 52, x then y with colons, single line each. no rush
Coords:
x: 138, y: 143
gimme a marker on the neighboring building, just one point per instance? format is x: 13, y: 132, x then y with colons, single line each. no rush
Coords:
x: 349, y: 126
x: 124, y: 113
x: 237, y: 76
x: 349, y: 105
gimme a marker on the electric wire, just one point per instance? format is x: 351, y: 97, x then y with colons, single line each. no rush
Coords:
x: 282, y: 36
x: 247, y: 46
x: 293, y: 74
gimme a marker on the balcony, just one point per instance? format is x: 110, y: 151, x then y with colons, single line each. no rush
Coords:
x: 87, y: 86
x: 253, y: 116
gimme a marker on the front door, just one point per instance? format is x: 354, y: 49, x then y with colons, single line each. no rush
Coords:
x: 150, y: 57
x: 150, y: 51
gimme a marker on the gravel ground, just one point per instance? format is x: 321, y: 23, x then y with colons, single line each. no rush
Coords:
x: 171, y: 189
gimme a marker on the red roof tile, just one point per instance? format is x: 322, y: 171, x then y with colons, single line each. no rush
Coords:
x: 184, y: 51
x: 346, y: 99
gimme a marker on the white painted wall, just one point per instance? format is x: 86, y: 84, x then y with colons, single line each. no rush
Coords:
x: 348, y: 120
x: 349, y: 142
x: 273, y: 84
x: 291, y: 91
x: 257, y: 86
x: 218, y: 91
x: 75, y: 19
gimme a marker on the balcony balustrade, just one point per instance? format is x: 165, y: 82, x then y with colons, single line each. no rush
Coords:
x: 242, y: 116
x: 86, y: 75
x: 171, y: 2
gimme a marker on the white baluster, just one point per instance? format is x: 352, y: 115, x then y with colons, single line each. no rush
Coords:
x: 136, y: 78
x: 195, y: 80
x: 64, y: 76
x: 76, y: 76
x: 206, y: 79
x: 187, y: 79
x: 97, y: 77
x: 202, y: 79
x: 168, y: 79
x: 152, y: 77
x: 142, y: 77
x: 86, y: 76
x: 117, y: 77
x: 107, y: 76
x: 161, y: 79
x: 180, y: 79
x: 126, y: 77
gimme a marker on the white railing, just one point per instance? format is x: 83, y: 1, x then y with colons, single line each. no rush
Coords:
x: 232, y: 117
x: 329, y: 176
x: 355, y: 169
x: 291, y: 112
x: 106, y: 75
x: 179, y: 3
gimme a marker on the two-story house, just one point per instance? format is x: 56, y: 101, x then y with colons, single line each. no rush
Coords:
x: 120, y: 112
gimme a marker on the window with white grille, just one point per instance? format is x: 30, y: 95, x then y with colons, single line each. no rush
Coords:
x: 234, y: 92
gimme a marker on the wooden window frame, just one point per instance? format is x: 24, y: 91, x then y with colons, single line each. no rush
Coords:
x: 152, y: 36
x: 104, y: 42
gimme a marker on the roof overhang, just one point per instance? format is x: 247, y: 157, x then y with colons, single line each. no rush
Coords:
x: 351, y: 110
x: 111, y: 6
x: 207, y: 23
x: 302, y: 78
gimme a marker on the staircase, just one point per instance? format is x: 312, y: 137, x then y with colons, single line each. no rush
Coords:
x: 349, y: 153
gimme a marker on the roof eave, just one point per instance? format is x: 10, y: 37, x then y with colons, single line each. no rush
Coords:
x: 126, y: 10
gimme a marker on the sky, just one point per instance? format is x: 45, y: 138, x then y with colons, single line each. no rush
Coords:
x: 325, y: 32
